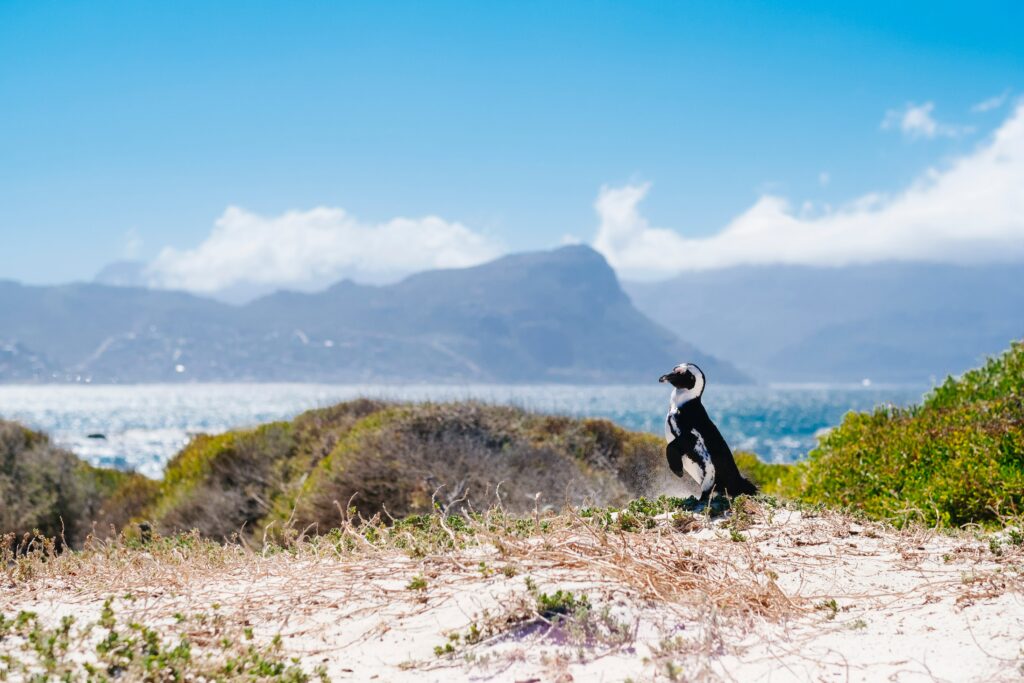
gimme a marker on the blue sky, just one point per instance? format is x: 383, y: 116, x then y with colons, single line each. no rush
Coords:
x: 128, y: 129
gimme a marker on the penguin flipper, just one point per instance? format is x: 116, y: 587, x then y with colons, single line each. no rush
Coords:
x: 677, y: 449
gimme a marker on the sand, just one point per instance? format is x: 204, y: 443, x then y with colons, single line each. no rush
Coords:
x: 788, y: 595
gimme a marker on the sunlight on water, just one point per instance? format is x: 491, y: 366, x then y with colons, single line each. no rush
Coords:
x: 144, y: 425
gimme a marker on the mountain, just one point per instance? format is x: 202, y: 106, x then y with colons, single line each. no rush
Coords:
x: 895, y: 322
x: 557, y: 316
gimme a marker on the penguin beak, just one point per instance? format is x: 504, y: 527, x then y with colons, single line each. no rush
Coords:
x: 663, y: 378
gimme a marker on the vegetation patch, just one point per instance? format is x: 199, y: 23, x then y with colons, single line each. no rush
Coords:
x: 563, y: 617
x: 49, y: 491
x: 284, y: 480
x: 956, y: 459
x: 198, y: 647
x: 407, y: 459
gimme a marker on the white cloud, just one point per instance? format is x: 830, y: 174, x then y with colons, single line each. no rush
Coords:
x: 824, y: 178
x: 306, y: 249
x: 991, y: 103
x: 971, y: 211
x: 916, y: 121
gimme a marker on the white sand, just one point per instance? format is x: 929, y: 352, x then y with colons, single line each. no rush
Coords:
x: 909, y: 607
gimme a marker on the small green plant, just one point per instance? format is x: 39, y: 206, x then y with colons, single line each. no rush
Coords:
x: 442, y: 650
x: 830, y: 606
x: 417, y: 583
x: 560, y: 603
x: 138, y: 652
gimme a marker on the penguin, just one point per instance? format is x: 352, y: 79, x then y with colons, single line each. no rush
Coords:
x: 695, y: 446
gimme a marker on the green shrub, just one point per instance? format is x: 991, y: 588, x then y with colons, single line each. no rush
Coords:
x: 222, y: 485
x: 48, y: 489
x: 958, y: 458
x: 121, y: 498
x: 774, y: 479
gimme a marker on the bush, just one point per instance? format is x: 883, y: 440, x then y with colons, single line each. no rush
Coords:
x: 399, y: 458
x: 392, y: 457
x: 774, y: 479
x: 958, y: 458
x: 222, y: 485
x: 48, y: 489
x: 227, y: 484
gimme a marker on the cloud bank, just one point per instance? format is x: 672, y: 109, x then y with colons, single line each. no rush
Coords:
x: 970, y: 211
x: 308, y: 249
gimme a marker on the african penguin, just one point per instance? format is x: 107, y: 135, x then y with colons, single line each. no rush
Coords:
x: 695, y: 446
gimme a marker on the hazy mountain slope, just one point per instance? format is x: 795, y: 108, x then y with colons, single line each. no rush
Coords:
x: 18, y: 363
x: 97, y: 329
x: 889, y: 322
x: 545, y: 316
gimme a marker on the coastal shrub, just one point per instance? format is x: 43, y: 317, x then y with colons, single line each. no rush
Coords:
x: 958, y: 458
x: 409, y: 457
x: 398, y: 458
x: 774, y: 479
x: 50, y: 490
x: 40, y: 486
x: 222, y: 485
x: 119, y: 498
x: 229, y: 484
x: 318, y: 431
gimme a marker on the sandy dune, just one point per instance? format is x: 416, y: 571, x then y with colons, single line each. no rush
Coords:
x: 770, y: 594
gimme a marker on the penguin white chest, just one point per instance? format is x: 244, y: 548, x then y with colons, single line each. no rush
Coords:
x: 700, y: 469
x: 697, y: 464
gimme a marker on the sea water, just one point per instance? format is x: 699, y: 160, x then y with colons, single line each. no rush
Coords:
x: 141, y: 427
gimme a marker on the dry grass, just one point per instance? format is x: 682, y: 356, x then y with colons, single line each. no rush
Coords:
x: 655, y: 588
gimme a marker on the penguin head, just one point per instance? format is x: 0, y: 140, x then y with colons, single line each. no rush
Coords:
x: 687, y: 378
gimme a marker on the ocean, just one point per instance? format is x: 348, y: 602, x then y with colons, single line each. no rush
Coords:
x: 143, y: 426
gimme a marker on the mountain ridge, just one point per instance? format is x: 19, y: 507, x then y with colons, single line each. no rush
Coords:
x: 550, y: 316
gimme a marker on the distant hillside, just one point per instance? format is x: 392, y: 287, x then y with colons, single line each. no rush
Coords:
x: 557, y: 316
x: 886, y: 322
